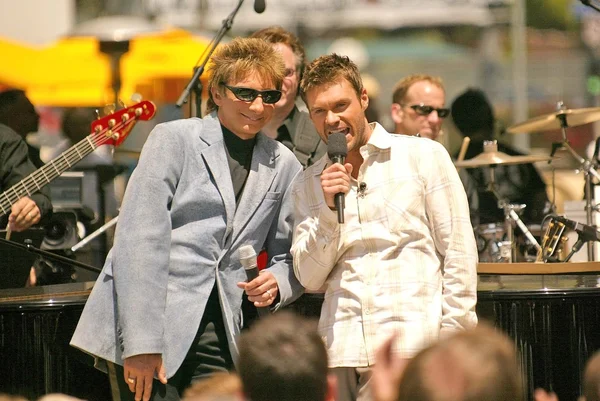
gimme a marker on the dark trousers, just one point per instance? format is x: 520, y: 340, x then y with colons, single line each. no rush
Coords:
x: 209, y: 353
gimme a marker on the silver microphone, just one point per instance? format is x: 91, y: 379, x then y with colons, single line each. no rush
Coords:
x: 249, y: 262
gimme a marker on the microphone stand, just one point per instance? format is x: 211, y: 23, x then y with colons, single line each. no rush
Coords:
x: 31, y: 249
x: 589, y: 4
x: 195, y: 83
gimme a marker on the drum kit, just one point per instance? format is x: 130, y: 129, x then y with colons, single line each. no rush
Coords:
x: 499, y: 243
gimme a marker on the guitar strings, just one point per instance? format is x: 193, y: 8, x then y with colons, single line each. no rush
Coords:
x: 65, y: 161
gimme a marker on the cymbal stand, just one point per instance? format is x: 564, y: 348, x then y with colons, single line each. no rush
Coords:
x: 95, y: 234
x: 587, y: 166
x: 510, y: 216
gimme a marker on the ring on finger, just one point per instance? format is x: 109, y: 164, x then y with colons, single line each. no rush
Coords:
x: 131, y: 380
x: 270, y: 295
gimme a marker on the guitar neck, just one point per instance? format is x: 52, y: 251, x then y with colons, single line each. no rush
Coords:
x: 41, y: 177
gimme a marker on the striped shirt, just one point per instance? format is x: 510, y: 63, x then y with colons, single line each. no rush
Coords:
x: 404, y: 261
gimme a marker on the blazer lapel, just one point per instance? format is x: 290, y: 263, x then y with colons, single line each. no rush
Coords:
x: 262, y: 173
x: 215, y: 157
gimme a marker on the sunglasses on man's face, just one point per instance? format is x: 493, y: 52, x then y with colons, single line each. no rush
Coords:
x: 425, y: 110
x: 248, y: 94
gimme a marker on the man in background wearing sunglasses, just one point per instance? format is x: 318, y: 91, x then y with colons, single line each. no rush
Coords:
x: 290, y: 125
x: 168, y: 302
x: 418, y: 108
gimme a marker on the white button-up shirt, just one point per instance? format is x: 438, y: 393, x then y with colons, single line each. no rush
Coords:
x: 405, y: 260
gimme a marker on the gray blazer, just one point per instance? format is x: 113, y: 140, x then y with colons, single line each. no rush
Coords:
x: 179, y: 233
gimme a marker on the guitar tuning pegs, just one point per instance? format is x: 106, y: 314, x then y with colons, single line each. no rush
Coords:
x: 108, y: 109
x: 97, y: 114
x: 136, y: 98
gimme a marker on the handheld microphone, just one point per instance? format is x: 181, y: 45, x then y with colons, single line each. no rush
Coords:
x: 586, y: 233
x: 248, y: 260
x: 337, y: 149
x: 259, y: 6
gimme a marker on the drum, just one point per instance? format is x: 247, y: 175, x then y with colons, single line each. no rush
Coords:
x: 554, y: 322
x: 492, y: 246
x: 36, y: 325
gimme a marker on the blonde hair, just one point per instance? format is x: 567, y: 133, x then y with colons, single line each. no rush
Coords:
x: 237, y: 59
x: 223, y: 386
x: 402, y: 86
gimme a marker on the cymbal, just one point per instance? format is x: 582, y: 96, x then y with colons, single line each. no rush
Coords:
x: 574, y: 117
x: 499, y: 158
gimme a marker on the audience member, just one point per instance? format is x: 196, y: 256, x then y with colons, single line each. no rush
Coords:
x: 474, y: 365
x: 283, y: 358
x: 8, y: 397
x: 222, y: 386
x: 591, y: 378
x: 58, y: 397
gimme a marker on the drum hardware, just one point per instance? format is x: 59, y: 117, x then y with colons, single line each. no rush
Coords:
x: 556, y: 120
x: 492, y: 157
x: 95, y: 234
x: 552, y: 242
x: 564, y: 118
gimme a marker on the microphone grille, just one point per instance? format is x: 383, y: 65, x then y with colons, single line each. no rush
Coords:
x: 336, y: 145
x: 247, y: 252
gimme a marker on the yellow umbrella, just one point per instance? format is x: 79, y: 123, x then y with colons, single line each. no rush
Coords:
x: 73, y: 71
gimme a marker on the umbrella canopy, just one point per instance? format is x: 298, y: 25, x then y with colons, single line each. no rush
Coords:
x: 74, y: 72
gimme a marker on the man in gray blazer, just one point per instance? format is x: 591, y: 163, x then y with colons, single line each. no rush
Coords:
x: 168, y: 302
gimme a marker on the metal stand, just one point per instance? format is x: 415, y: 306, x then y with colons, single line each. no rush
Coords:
x: 49, y: 255
x: 587, y: 166
x: 93, y: 235
x: 510, y: 216
x: 195, y: 82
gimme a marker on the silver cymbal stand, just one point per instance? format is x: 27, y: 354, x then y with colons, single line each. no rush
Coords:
x: 510, y: 216
x: 95, y: 234
x: 587, y: 166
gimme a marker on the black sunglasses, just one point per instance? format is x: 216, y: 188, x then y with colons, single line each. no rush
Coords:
x: 269, y: 96
x: 425, y: 110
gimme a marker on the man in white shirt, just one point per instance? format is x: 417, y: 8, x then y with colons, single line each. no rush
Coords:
x: 405, y: 259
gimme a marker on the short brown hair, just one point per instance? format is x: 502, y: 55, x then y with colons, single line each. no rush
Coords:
x: 478, y: 364
x: 329, y: 69
x: 276, y: 34
x: 283, y: 358
x: 402, y: 86
x: 240, y: 57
